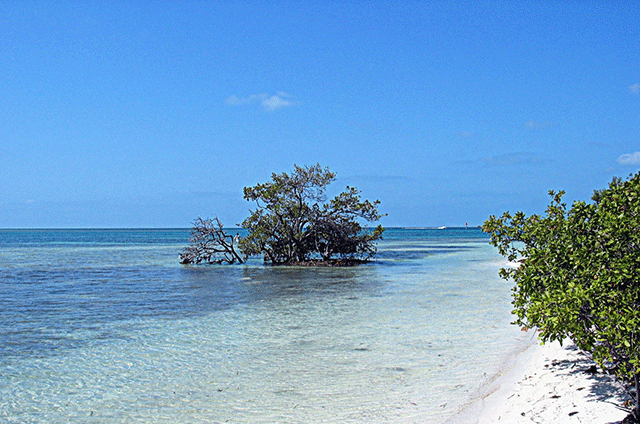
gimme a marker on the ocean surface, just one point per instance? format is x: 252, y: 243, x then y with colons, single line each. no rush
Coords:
x: 106, y: 326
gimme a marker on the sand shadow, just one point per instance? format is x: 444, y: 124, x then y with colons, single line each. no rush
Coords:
x: 604, y: 387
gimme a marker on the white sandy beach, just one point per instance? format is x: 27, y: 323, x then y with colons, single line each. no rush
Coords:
x: 549, y: 384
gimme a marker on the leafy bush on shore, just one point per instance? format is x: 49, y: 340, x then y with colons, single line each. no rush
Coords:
x: 580, y: 277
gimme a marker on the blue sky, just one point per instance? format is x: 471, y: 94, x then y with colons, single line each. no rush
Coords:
x: 151, y: 113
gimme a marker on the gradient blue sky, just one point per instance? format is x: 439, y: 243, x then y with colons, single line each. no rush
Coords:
x: 151, y: 113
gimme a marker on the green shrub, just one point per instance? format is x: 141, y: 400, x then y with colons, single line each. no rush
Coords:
x: 580, y: 273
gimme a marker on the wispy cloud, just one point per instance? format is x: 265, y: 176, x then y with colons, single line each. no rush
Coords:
x: 629, y: 159
x: 634, y: 88
x: 537, y: 125
x: 267, y: 101
x: 277, y: 101
x: 508, y: 159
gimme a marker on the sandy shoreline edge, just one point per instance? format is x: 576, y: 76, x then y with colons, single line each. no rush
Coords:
x: 548, y: 384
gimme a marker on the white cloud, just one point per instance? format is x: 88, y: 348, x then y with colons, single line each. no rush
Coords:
x: 634, y: 88
x: 276, y: 102
x: 252, y: 99
x: 629, y: 159
x: 236, y: 101
x: 267, y: 101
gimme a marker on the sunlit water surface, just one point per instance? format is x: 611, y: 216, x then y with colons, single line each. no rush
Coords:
x: 106, y: 326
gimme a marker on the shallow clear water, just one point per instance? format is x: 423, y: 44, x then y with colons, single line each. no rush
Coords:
x: 107, y: 326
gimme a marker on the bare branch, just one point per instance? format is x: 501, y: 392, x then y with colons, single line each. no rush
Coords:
x: 209, y: 243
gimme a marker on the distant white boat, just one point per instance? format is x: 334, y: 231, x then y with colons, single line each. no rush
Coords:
x: 442, y: 228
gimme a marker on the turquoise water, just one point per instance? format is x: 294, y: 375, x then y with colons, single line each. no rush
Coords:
x: 106, y: 326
